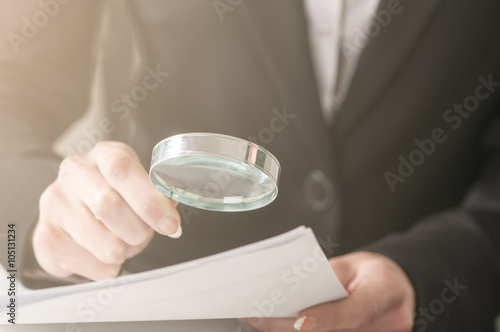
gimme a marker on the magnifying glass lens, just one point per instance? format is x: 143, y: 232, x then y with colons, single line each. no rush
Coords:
x: 215, y: 172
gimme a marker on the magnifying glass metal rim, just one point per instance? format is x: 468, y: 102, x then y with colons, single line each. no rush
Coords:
x: 220, y: 146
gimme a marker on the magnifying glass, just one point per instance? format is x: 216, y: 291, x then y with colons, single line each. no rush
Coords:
x: 215, y: 172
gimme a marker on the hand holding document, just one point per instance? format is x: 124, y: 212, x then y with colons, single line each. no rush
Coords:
x: 276, y: 277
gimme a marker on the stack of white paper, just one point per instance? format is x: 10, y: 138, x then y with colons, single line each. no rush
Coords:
x: 276, y: 277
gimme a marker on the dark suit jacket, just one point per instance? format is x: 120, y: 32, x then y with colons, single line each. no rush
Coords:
x: 410, y: 167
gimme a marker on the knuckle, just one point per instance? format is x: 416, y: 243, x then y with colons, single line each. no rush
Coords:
x: 47, y: 198
x: 42, y: 239
x: 114, y: 252
x: 118, y: 163
x: 105, y: 203
x: 47, y: 253
x: 141, y: 237
x: 48, y: 240
x: 137, y: 248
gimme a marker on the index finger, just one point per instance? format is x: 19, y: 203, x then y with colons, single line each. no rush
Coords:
x: 122, y: 169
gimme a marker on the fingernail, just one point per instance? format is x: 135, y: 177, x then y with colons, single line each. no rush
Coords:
x: 169, y: 225
x: 299, y: 322
x: 178, y: 233
x: 305, y: 323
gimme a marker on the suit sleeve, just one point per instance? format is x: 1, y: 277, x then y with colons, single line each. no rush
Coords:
x: 453, y: 257
x: 45, y: 72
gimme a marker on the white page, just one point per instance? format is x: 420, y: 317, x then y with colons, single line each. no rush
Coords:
x: 276, y: 277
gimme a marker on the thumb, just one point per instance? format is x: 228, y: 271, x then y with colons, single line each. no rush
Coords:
x: 344, y: 268
x: 363, y: 306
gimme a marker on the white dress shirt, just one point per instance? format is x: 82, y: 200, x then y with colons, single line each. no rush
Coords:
x: 335, y: 26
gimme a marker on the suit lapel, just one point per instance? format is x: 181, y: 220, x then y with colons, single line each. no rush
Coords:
x: 278, y: 30
x: 382, y: 58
